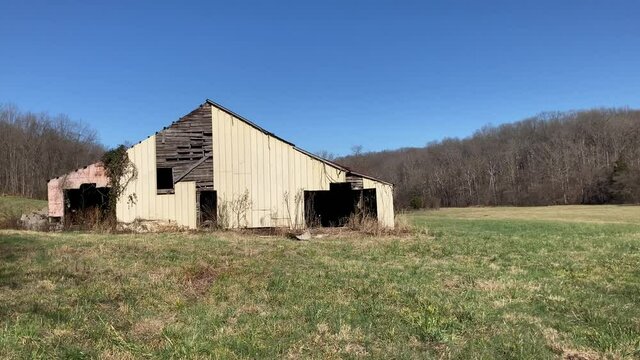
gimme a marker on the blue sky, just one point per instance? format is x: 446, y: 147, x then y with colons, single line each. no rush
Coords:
x: 325, y: 75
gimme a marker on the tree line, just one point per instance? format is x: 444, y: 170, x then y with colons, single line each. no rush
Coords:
x: 583, y: 157
x: 35, y: 147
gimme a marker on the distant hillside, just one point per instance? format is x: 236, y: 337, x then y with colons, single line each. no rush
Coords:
x: 37, y: 147
x: 15, y: 206
x: 585, y: 157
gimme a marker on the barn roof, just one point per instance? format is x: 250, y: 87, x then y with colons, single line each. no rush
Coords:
x: 266, y: 132
x: 263, y: 130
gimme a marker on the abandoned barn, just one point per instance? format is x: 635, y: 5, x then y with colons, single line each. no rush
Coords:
x: 213, y: 166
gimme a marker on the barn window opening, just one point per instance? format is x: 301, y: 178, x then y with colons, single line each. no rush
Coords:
x: 164, y: 180
x: 333, y: 208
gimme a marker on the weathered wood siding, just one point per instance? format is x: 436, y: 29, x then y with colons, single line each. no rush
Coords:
x: 355, y: 181
x: 140, y: 199
x: 185, y: 144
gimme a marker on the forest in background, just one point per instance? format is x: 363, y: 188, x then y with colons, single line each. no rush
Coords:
x: 582, y: 157
x: 35, y: 147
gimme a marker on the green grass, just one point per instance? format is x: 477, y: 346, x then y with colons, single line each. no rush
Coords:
x: 14, y: 205
x: 494, y: 286
x: 619, y: 214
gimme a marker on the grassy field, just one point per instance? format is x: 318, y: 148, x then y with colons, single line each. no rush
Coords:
x: 469, y: 283
x: 599, y: 214
x: 13, y: 205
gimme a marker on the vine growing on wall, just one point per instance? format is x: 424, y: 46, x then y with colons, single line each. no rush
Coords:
x: 121, y: 171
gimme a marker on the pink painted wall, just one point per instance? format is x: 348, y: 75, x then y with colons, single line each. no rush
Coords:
x: 91, y: 174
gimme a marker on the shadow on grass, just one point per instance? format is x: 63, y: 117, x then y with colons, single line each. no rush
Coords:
x: 15, y: 251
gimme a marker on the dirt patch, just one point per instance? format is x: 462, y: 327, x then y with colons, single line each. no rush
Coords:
x: 46, y: 285
x: 151, y: 328
x: 580, y: 355
x: 198, y: 278
x: 558, y: 346
x: 452, y: 282
x: 490, y: 285
x: 115, y: 354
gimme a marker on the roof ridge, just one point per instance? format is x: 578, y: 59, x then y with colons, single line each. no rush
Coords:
x: 308, y: 153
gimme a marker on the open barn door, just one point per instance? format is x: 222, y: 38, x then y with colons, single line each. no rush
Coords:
x: 333, y: 208
x: 208, y: 209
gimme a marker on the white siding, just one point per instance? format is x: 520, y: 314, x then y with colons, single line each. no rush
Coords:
x: 145, y: 204
x: 270, y: 170
x: 384, y: 199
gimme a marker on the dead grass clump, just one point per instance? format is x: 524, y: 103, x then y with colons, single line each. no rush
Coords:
x: 158, y: 275
x: 9, y: 220
x: 149, y: 329
x: 199, y: 277
x: 346, y: 343
x: 452, y: 282
x: 369, y: 225
x: 490, y: 285
x: 264, y: 232
x: 556, y: 344
x: 115, y: 354
x: 91, y: 219
x: 403, y: 224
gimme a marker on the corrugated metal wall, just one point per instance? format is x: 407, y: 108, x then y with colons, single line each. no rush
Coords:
x: 273, y: 173
x: 179, y: 207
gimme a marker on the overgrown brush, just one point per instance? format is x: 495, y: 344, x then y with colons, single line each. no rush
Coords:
x: 91, y: 219
x: 368, y: 224
x: 9, y: 220
x: 120, y: 171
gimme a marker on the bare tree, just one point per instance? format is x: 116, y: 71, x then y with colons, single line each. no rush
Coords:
x: 552, y: 158
x: 37, y: 147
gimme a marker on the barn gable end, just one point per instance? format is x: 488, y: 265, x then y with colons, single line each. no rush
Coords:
x: 213, y: 166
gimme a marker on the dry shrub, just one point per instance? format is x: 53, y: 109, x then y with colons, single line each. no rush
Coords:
x: 403, y: 224
x: 92, y: 219
x: 369, y: 225
x: 9, y: 220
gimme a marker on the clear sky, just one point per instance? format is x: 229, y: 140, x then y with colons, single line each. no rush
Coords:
x: 325, y: 75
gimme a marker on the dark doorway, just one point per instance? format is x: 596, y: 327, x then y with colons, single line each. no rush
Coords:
x: 208, y: 209
x: 335, y: 207
x: 87, y: 203
x: 369, y: 205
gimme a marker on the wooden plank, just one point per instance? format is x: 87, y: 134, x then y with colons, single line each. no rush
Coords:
x: 190, y: 168
x: 186, y: 146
